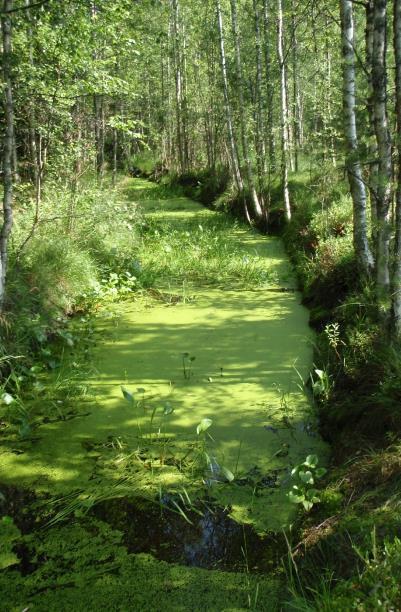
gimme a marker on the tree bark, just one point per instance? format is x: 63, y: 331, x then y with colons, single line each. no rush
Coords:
x: 257, y: 208
x: 373, y: 168
x: 260, y: 128
x: 269, y: 87
x: 396, y: 279
x: 383, y: 139
x: 284, y: 112
x: 228, y: 111
x: 7, y: 146
x: 353, y: 165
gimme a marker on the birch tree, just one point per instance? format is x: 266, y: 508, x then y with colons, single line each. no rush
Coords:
x: 257, y: 208
x: 383, y: 140
x: 228, y: 110
x: 396, y: 280
x: 7, y: 146
x: 353, y: 164
x: 284, y: 111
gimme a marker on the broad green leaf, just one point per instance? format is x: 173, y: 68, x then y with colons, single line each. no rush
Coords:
x: 296, y: 498
x: 308, y: 505
x: 320, y: 472
x: 204, y: 426
x: 227, y: 474
x: 313, y: 495
x: 311, y: 461
x: 127, y: 395
x: 306, y: 477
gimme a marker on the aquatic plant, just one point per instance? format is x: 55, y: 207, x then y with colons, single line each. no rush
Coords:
x: 306, y: 474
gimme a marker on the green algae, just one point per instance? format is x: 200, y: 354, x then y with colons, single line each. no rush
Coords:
x: 238, y: 315
x: 85, y: 567
x: 251, y: 347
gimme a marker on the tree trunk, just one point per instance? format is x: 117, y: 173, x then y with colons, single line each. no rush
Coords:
x: 269, y: 87
x: 229, y: 119
x: 353, y: 165
x: 257, y: 208
x: 284, y: 112
x: 99, y: 135
x: 295, y: 90
x: 383, y: 139
x: 373, y: 168
x: 260, y: 127
x: 178, y: 84
x: 115, y: 156
x: 396, y: 280
x: 7, y: 146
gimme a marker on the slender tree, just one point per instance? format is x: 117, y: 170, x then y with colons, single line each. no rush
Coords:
x: 284, y: 111
x: 228, y: 110
x: 353, y: 164
x: 5, y: 231
x: 383, y: 140
x: 257, y: 208
x: 396, y: 279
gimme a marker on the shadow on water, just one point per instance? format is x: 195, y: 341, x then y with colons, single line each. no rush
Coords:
x: 208, y: 538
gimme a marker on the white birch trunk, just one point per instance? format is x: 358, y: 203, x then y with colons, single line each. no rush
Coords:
x: 229, y: 119
x: 284, y: 112
x: 357, y: 186
x: 383, y: 139
x: 396, y: 280
x: 7, y: 146
x: 257, y: 208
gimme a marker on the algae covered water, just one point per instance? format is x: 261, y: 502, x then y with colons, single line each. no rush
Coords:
x: 197, y: 395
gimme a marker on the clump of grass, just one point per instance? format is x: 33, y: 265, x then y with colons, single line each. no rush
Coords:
x: 205, y: 250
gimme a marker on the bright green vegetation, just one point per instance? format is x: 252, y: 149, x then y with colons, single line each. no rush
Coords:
x: 155, y: 358
x: 252, y: 348
x: 213, y: 330
x: 86, y: 567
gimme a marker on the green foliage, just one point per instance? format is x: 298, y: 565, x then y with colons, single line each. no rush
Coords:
x: 60, y: 271
x: 205, y: 250
x: 306, y: 474
x: 9, y: 535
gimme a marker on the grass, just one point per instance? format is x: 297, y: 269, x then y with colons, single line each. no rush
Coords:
x: 204, y: 250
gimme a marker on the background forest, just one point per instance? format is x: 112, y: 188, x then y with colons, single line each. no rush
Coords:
x: 284, y: 113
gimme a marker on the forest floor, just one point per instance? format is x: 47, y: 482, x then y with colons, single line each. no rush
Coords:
x: 195, y: 401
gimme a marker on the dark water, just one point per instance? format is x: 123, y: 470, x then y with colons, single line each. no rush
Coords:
x: 206, y: 538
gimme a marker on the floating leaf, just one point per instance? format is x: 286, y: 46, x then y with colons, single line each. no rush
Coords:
x: 127, y: 395
x: 141, y: 390
x: 204, y: 426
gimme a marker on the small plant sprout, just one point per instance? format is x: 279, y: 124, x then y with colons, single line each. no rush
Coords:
x: 187, y: 362
x: 203, y: 426
x: 128, y: 395
x: 321, y: 384
x: 306, y: 474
